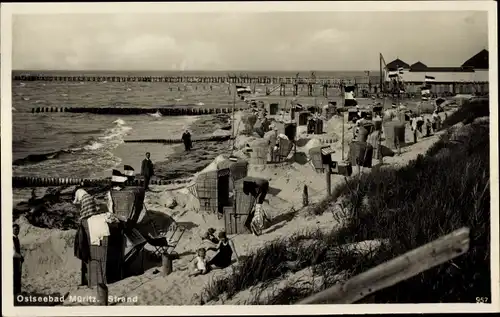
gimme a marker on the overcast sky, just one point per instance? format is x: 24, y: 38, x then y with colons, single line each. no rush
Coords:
x: 245, y: 41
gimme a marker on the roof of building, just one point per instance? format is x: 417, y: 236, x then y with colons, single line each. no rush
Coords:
x: 418, y: 65
x: 397, y: 63
x: 444, y: 69
x: 478, y: 61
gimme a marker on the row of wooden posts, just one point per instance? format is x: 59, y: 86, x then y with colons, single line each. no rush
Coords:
x: 192, y: 79
x: 167, y: 110
x: 25, y: 181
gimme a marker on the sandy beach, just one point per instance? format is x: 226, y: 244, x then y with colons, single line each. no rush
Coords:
x: 46, y: 249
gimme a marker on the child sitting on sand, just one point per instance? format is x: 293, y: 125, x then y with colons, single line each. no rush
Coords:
x: 225, y: 250
x: 200, y: 263
x: 210, y: 236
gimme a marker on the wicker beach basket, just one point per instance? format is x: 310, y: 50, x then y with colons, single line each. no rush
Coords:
x: 260, y: 151
x: 394, y: 132
x: 361, y: 154
x: 273, y: 108
x: 301, y: 117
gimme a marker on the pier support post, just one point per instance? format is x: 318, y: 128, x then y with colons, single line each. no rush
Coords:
x: 282, y: 89
x: 309, y: 90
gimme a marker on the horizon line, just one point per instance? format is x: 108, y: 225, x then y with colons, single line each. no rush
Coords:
x: 191, y: 70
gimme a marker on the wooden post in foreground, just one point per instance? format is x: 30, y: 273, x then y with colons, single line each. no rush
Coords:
x: 328, y: 174
x: 305, y: 197
x: 102, y: 294
x: 394, y: 271
x: 166, y: 264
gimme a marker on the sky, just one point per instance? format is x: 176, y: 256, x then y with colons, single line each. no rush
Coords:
x: 281, y: 41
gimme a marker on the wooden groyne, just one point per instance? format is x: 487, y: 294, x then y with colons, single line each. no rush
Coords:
x: 167, y: 111
x: 199, y: 79
x: 174, y: 141
x: 23, y: 181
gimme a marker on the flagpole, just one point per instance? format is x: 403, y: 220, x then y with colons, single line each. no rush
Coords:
x: 233, y: 121
x: 342, y: 114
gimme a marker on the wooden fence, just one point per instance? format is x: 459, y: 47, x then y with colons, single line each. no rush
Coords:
x: 394, y: 271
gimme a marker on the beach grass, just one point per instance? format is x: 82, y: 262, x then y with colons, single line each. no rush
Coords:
x: 435, y: 194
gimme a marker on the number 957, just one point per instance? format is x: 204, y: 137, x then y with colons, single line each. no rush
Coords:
x: 482, y: 300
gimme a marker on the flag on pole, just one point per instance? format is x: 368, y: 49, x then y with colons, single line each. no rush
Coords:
x: 243, y: 90
x: 349, y: 99
x: 429, y: 78
x: 425, y: 91
x: 118, y: 177
x: 128, y: 170
x: 383, y: 71
x: 393, y: 74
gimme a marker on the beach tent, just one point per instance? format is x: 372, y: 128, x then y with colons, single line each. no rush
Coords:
x: 216, y: 181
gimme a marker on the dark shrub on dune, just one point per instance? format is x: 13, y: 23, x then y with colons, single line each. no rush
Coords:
x: 470, y: 110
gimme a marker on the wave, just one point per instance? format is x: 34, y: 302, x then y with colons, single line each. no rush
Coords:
x: 86, y: 132
x: 37, y: 158
x: 111, y: 138
x: 157, y: 114
x: 119, y: 121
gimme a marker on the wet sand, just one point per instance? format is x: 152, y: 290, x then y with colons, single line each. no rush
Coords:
x: 183, y: 163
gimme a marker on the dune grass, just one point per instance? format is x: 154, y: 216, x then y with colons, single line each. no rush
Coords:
x: 444, y: 190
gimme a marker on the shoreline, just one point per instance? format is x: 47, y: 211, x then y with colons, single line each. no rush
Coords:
x: 182, y: 164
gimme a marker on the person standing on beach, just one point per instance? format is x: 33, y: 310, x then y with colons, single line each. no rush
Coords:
x: 186, y: 139
x: 18, y: 260
x: 88, y: 208
x: 147, y: 170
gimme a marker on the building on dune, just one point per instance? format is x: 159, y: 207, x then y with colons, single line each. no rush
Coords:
x: 470, y: 77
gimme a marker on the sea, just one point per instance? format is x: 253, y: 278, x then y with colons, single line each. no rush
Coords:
x: 87, y: 145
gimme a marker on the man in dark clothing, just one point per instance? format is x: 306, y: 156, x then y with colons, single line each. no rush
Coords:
x: 186, y: 139
x: 147, y: 170
x: 18, y: 260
